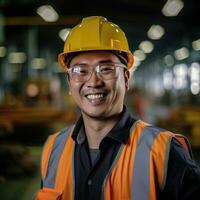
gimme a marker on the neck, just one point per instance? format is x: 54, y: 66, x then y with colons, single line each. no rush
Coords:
x: 97, y: 129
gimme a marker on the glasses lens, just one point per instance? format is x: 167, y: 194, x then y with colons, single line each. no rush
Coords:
x: 107, y: 71
x: 80, y: 73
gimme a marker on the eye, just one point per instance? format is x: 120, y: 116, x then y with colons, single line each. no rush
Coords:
x: 107, y: 69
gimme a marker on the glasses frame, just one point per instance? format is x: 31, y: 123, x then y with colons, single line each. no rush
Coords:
x: 97, y: 70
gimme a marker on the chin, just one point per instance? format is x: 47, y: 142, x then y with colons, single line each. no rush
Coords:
x: 96, y: 114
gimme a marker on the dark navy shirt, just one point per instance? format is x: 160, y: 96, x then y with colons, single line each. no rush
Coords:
x: 183, y: 176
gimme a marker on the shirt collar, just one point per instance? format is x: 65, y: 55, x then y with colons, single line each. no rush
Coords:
x: 120, y: 132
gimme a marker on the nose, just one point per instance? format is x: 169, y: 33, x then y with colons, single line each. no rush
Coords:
x: 94, y: 80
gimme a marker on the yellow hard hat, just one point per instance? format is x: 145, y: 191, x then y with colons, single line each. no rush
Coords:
x: 95, y: 33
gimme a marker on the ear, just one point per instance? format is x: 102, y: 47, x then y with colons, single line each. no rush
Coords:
x: 127, y: 77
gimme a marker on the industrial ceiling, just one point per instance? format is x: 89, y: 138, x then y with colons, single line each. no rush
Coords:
x: 135, y: 17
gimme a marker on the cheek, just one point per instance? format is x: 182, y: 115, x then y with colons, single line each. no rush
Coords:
x: 74, y: 89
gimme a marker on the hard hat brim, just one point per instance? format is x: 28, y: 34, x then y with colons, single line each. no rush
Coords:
x: 62, y: 57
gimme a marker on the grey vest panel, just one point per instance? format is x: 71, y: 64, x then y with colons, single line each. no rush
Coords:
x: 56, y: 152
x: 141, y: 173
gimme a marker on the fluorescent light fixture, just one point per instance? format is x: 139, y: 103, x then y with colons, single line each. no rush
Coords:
x: 38, y: 63
x: 180, y: 70
x: 64, y: 33
x: 196, y: 45
x: 139, y: 55
x: 3, y: 51
x: 155, y: 32
x: 180, y: 83
x: 48, y: 13
x: 172, y: 8
x: 181, y: 53
x: 180, y: 79
x: 169, y: 60
x: 167, y: 79
x: 146, y: 46
x: 195, y: 88
x: 194, y: 72
x: 17, y: 57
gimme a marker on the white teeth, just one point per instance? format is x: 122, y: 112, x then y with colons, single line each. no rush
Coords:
x: 94, y: 96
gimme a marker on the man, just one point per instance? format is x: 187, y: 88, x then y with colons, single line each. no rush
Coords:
x: 108, y: 154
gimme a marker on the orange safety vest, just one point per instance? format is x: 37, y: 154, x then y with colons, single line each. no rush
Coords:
x: 137, y: 173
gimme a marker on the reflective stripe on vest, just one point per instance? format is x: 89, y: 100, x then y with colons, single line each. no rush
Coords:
x: 142, y: 164
x: 56, y: 152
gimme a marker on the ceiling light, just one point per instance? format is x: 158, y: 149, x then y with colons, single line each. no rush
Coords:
x: 146, y: 46
x: 167, y: 79
x: 3, y: 51
x: 48, y: 13
x: 180, y: 80
x: 172, y: 8
x: 64, y: 33
x: 38, y: 63
x: 181, y: 54
x: 155, y: 32
x: 195, y: 88
x: 169, y: 60
x: 194, y: 72
x: 139, y: 55
x: 180, y: 83
x: 180, y: 70
x: 196, y: 45
x: 17, y: 57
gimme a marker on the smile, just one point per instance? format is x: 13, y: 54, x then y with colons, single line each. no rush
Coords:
x: 95, y: 96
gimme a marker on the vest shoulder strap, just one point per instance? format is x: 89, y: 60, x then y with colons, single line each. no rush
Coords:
x: 52, y: 158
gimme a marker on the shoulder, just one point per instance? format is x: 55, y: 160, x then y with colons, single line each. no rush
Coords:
x: 186, y: 179
x: 149, y: 130
x: 63, y: 131
x: 159, y: 137
x: 179, y: 154
x: 58, y: 136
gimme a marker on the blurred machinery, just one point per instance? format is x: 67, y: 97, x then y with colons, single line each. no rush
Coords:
x: 38, y: 110
x: 185, y: 120
x: 27, y: 117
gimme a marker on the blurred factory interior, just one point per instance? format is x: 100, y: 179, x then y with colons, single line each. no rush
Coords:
x: 164, y: 36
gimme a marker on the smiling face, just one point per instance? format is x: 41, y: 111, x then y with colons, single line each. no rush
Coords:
x: 95, y: 97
